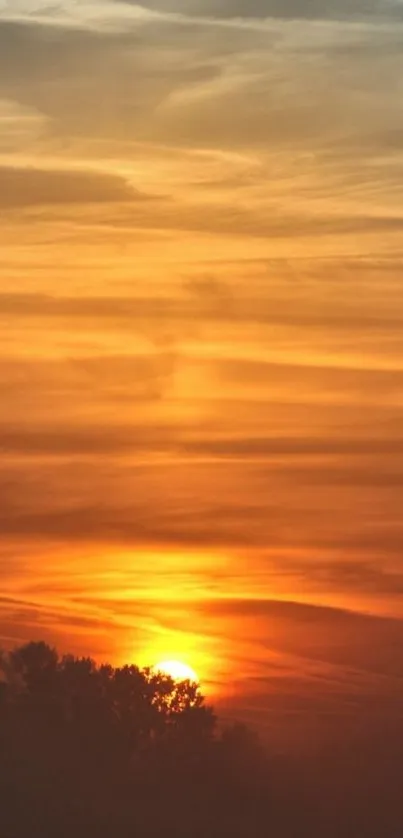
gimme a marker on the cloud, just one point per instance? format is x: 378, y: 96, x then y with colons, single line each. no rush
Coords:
x: 89, y: 441
x: 134, y: 525
x: 97, y: 380
x: 106, y: 85
x: 19, y: 126
x: 112, y: 15
x: 277, y: 446
x: 303, y: 377
x: 109, y: 485
x: 263, y: 94
x: 190, y: 86
x: 233, y: 303
x: 371, y: 577
x: 23, y: 620
x: 30, y: 187
x: 287, y: 9
x: 164, y: 215
x: 97, y: 439
x: 360, y: 575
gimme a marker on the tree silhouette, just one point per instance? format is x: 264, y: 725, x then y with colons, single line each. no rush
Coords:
x: 94, y: 751
x: 91, y: 750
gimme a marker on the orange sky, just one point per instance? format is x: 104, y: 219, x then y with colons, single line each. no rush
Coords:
x: 201, y: 357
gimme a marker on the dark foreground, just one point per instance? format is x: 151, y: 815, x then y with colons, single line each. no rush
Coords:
x: 95, y: 752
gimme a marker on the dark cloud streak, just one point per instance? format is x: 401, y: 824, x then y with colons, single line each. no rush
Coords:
x: 125, y: 439
x: 287, y: 9
x: 30, y: 187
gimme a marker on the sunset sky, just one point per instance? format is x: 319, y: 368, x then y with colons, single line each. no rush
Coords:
x: 201, y: 356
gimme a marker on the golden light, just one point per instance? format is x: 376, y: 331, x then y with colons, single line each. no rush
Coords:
x: 177, y: 670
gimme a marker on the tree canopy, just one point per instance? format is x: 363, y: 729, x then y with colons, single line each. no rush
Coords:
x: 88, y: 749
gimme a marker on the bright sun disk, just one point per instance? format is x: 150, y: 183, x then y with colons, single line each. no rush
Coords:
x: 177, y: 670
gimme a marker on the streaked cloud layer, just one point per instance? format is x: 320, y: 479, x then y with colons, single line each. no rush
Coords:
x: 201, y: 352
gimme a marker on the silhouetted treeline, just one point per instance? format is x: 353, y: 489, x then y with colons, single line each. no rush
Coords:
x: 89, y: 750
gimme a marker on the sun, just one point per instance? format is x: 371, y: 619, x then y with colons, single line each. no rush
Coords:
x: 177, y: 670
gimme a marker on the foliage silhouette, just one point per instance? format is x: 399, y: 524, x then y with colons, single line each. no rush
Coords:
x: 90, y: 750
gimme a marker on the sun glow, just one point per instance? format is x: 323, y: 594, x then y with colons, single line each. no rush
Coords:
x: 177, y: 670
